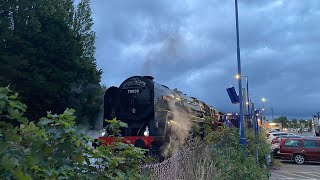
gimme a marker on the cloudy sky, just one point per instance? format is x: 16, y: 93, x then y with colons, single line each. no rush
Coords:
x: 191, y: 45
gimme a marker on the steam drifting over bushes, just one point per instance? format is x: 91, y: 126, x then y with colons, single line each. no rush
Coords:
x: 180, y: 127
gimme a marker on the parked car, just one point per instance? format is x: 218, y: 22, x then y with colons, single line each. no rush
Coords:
x: 275, y: 143
x: 272, y: 135
x: 300, y: 150
x: 272, y: 130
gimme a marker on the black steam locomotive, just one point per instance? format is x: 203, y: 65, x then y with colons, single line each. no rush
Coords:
x: 152, y: 111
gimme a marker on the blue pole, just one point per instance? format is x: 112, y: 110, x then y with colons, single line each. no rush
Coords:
x: 256, y: 116
x: 248, y: 101
x: 248, y: 96
x: 255, y: 134
x: 261, y: 122
x: 242, y: 138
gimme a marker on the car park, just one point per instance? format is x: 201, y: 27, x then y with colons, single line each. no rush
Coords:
x: 300, y: 150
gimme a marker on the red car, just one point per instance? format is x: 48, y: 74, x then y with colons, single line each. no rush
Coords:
x: 275, y: 143
x: 300, y: 150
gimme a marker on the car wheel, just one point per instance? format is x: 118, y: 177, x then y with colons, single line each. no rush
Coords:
x: 299, y: 158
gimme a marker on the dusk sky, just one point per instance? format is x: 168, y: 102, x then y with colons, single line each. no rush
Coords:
x: 191, y: 45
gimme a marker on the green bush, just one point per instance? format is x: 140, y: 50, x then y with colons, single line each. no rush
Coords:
x: 231, y: 161
x: 54, y: 148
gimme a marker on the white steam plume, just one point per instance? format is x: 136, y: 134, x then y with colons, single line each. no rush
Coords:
x: 180, y: 126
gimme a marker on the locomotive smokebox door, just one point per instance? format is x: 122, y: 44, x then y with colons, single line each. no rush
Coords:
x: 136, y: 99
x: 111, y: 104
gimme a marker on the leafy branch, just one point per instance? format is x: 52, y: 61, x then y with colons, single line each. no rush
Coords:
x: 55, y: 148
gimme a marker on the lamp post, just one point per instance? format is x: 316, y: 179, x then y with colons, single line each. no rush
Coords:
x: 242, y: 137
x: 247, y: 84
x: 256, y: 130
x: 263, y: 101
x: 248, y: 102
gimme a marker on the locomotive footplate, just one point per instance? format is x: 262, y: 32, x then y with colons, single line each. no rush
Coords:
x: 145, y: 142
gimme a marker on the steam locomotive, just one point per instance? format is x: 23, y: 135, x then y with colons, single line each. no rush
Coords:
x: 154, y: 113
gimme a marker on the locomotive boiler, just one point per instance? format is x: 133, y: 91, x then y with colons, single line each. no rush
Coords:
x: 155, y: 114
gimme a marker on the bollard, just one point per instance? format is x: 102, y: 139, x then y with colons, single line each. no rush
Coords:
x: 268, y: 159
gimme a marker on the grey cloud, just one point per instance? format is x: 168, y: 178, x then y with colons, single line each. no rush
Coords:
x: 191, y: 45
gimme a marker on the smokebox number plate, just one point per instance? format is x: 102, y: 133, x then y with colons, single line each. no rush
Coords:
x: 133, y: 91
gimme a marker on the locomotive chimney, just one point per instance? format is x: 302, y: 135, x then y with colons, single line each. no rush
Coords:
x: 149, y: 77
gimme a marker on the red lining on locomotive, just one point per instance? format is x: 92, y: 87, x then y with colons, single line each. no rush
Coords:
x: 128, y: 140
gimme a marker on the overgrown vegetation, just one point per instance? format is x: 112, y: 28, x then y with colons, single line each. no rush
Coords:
x: 54, y: 148
x: 216, y: 154
x: 230, y: 160
x: 47, y: 56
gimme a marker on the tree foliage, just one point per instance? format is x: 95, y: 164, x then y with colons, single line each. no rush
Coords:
x: 54, y: 148
x: 47, y: 55
x: 283, y: 120
x: 293, y: 123
x: 300, y: 123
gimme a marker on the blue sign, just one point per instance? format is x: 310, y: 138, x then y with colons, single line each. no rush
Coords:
x: 233, y: 95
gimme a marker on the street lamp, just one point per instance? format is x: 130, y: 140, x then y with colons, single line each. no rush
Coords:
x: 242, y: 137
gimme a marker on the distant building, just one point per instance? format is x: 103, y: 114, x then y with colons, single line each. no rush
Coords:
x: 274, y: 126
